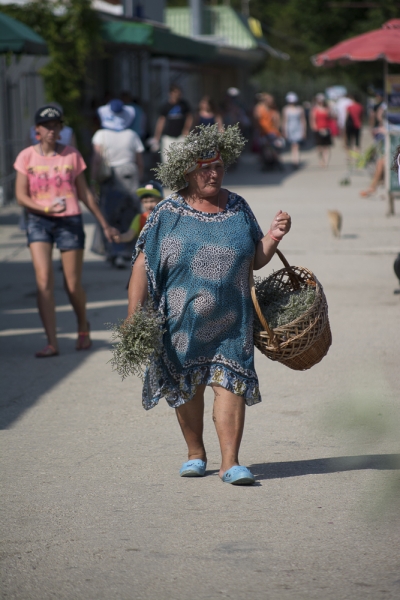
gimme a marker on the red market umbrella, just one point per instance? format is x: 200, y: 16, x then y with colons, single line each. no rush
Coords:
x: 379, y: 44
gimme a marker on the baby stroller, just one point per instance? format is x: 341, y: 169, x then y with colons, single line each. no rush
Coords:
x: 270, y: 146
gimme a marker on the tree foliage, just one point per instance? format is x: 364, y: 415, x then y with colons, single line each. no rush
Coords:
x: 72, y: 32
x: 303, y: 28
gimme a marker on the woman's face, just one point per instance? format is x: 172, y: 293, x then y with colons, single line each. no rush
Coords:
x: 204, y: 105
x: 49, y: 132
x: 206, y: 181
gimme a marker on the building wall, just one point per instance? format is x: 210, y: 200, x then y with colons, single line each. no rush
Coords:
x: 21, y: 93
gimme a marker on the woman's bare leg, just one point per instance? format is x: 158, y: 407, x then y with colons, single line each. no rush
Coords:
x: 377, y: 178
x: 41, y: 253
x: 191, y: 419
x: 295, y: 150
x: 72, y: 261
x: 326, y: 155
x: 228, y: 417
x: 320, y: 152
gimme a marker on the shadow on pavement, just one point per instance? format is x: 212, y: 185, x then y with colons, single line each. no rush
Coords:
x: 10, y: 219
x: 25, y: 378
x: 321, y: 466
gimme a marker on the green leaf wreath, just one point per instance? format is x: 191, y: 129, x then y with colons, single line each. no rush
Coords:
x: 136, y: 341
x: 203, y: 138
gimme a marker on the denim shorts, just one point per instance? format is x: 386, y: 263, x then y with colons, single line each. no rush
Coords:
x: 66, y: 232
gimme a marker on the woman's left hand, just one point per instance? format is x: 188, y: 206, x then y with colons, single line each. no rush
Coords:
x: 110, y: 232
x: 281, y: 224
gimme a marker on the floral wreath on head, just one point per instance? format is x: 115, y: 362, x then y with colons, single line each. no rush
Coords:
x: 203, y: 145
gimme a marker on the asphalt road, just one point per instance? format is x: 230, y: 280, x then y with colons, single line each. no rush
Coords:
x: 93, y: 507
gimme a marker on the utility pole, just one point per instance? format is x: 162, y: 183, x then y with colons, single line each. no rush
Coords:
x: 196, y: 7
x: 246, y: 8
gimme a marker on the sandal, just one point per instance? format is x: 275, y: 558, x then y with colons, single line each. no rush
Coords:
x: 47, y: 352
x: 193, y: 468
x: 238, y: 475
x: 84, y: 342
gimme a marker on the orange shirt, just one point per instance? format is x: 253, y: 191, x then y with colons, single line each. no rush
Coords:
x: 266, y: 121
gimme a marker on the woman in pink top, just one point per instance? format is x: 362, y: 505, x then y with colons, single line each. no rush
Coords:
x: 49, y: 183
x: 320, y: 122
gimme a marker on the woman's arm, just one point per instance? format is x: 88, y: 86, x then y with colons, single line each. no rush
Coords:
x: 159, y: 128
x: 188, y: 124
x: 127, y: 236
x: 276, y: 119
x: 137, y: 291
x: 220, y: 123
x: 312, y: 120
x: 24, y: 199
x: 267, y: 246
x: 304, y: 122
x: 96, y: 160
x: 86, y: 196
x: 284, y: 121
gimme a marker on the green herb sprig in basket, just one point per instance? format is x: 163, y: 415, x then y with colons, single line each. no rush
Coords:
x: 136, y: 341
x: 280, y: 307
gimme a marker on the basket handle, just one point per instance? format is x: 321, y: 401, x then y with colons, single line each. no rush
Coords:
x: 295, y: 282
x: 293, y: 276
x: 263, y: 321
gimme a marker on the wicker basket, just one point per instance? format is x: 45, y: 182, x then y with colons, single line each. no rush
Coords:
x: 305, y: 341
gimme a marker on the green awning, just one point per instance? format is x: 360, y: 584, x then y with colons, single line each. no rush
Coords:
x: 171, y: 44
x: 17, y: 37
x: 158, y: 39
x: 123, y: 32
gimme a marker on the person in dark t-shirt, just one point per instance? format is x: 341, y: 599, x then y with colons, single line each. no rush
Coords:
x: 174, y: 122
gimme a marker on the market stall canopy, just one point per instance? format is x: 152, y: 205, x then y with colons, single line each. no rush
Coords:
x: 160, y: 39
x: 19, y: 38
x: 380, y: 44
x: 126, y: 32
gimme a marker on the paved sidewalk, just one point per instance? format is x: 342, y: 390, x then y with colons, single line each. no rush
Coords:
x: 93, y: 507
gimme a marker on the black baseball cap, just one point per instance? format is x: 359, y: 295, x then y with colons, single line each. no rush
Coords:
x: 48, y: 113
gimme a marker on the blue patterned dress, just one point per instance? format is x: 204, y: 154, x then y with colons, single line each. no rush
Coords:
x: 197, y: 266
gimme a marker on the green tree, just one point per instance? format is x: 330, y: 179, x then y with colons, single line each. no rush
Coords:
x: 72, y: 32
x: 303, y: 28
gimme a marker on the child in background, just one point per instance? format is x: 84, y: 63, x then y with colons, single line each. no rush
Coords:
x: 150, y: 195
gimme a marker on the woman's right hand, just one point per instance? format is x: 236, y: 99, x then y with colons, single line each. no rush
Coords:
x: 58, y: 206
x: 281, y: 224
x: 55, y: 209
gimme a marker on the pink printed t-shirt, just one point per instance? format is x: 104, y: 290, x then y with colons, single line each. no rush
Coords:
x: 51, y: 177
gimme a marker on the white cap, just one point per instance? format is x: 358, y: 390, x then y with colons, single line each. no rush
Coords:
x: 292, y: 98
x: 233, y: 91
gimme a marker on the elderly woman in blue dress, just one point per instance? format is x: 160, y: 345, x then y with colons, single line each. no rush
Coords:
x: 193, y: 259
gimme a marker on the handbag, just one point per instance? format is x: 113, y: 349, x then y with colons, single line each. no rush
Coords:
x: 98, y: 244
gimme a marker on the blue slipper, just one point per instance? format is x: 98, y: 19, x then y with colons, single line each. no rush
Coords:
x: 238, y: 475
x: 193, y: 468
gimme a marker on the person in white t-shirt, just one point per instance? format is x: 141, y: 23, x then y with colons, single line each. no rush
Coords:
x: 117, y: 165
x: 342, y: 105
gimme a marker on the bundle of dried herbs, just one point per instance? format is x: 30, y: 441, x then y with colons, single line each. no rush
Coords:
x: 136, y: 341
x: 281, y: 307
